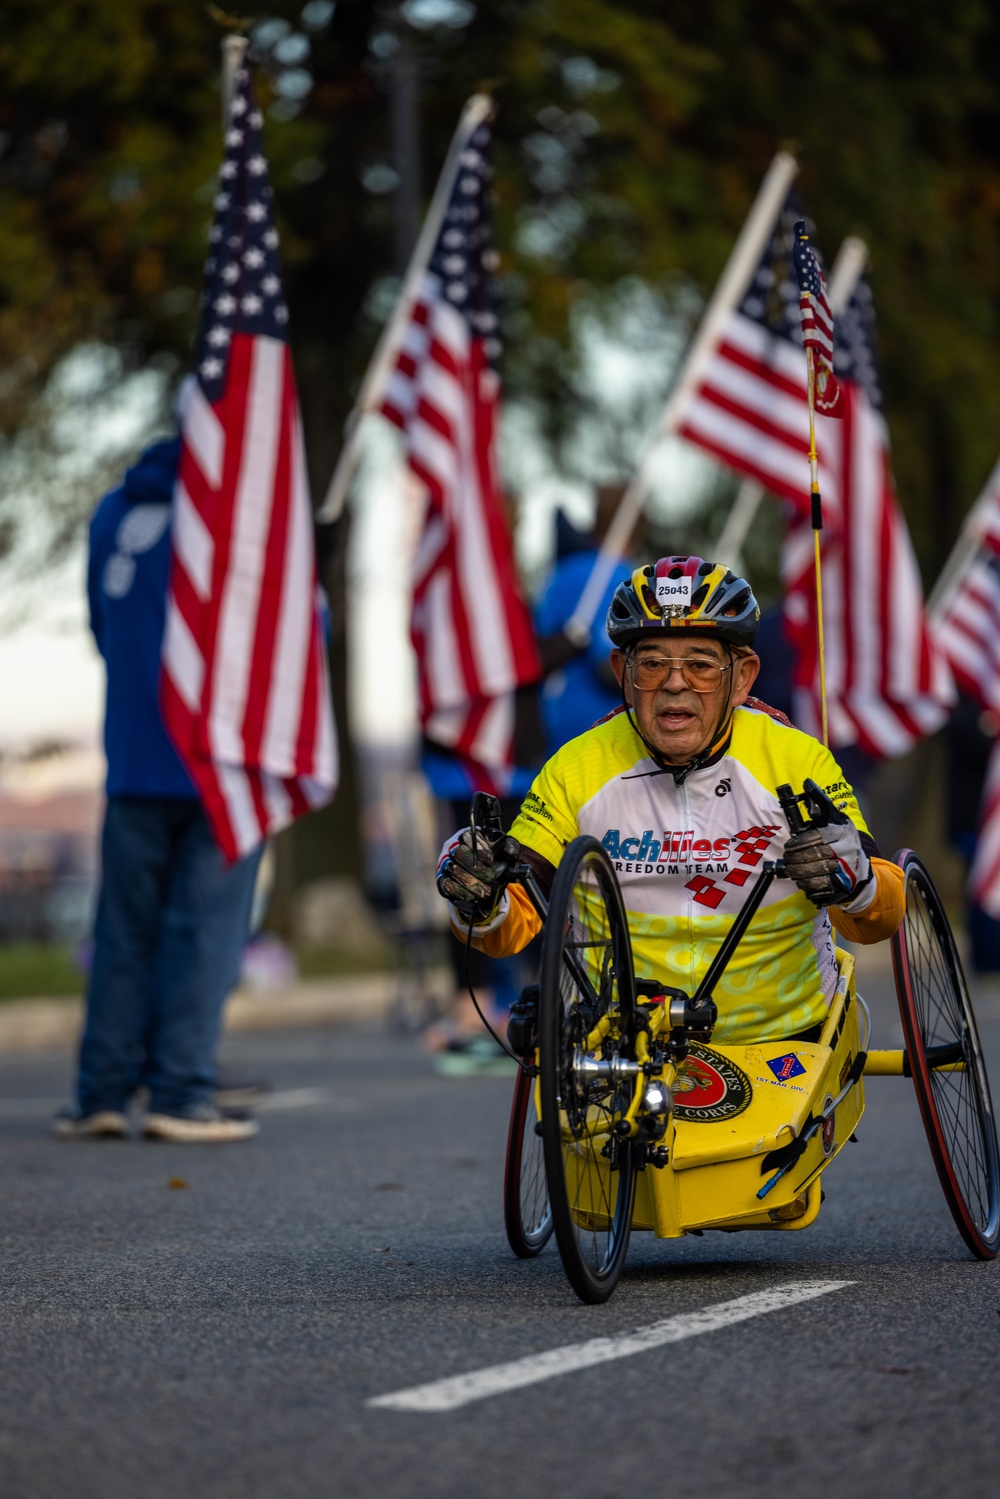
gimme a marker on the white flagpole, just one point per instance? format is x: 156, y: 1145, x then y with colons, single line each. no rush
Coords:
x: 848, y: 268
x: 729, y: 547
x: 233, y: 52
x: 732, y: 284
x: 478, y: 109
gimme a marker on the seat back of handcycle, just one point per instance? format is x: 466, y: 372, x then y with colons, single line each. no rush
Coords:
x: 744, y: 1147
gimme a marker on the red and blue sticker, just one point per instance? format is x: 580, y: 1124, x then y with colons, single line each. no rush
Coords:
x: 786, y: 1067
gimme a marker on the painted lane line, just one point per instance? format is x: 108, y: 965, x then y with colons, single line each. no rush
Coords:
x: 479, y: 1384
x: 291, y: 1098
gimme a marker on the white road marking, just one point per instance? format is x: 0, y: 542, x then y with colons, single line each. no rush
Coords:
x: 479, y: 1384
x: 287, y: 1098
x: 298, y: 1098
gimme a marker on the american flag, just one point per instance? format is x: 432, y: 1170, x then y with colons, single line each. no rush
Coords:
x: 968, y: 631
x: 885, y: 668
x: 244, y: 685
x: 471, y: 629
x: 967, y: 621
x: 984, y: 876
x: 749, y: 410
x: 817, y: 321
x: 887, y: 681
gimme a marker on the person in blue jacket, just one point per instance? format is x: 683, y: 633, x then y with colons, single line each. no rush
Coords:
x: 172, y: 915
x: 580, y: 687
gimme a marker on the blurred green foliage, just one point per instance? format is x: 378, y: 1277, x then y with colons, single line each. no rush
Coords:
x: 334, y: 962
x: 28, y: 969
x: 631, y: 137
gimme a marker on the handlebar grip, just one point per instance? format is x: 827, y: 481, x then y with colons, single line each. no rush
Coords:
x: 822, y: 811
x: 484, y: 817
x: 790, y: 806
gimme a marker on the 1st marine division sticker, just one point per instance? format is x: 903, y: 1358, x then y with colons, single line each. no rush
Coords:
x: 709, y: 1086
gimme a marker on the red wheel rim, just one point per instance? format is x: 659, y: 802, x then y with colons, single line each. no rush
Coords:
x: 955, y: 1107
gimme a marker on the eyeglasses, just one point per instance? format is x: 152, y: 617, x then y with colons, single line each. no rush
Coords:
x: 700, y: 673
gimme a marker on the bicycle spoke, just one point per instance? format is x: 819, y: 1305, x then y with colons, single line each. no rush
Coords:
x: 590, y: 1169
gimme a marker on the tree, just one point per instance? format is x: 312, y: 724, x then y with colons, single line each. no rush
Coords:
x: 630, y: 140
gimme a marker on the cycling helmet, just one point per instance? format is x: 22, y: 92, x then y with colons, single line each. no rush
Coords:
x: 683, y: 593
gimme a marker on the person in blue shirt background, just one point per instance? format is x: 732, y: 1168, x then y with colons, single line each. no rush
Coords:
x: 581, y: 689
x: 172, y: 915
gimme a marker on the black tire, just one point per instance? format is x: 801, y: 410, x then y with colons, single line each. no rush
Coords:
x: 939, y: 1027
x: 586, y: 973
x: 526, y: 1210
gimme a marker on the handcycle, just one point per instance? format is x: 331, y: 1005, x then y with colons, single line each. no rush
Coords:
x: 626, y: 1118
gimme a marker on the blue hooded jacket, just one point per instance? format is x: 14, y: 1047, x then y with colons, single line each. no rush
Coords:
x: 127, y: 577
x: 576, y: 696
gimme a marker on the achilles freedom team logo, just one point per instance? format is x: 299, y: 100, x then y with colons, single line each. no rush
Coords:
x: 732, y: 860
x: 709, y: 1086
x: 673, y: 853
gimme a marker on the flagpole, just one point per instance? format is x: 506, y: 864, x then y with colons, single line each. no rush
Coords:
x: 817, y: 525
x: 234, y: 48
x: 848, y: 268
x: 729, y: 547
x: 743, y: 260
x: 478, y: 109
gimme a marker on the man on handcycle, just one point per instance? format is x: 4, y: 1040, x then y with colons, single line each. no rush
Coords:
x: 680, y: 786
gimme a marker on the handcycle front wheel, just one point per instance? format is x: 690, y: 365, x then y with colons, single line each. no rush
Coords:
x: 526, y: 1210
x: 587, y: 983
x: 946, y: 1061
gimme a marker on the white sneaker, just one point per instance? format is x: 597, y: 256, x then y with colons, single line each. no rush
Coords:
x: 103, y: 1124
x: 202, y: 1125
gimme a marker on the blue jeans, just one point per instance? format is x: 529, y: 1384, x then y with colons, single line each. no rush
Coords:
x: 172, y: 920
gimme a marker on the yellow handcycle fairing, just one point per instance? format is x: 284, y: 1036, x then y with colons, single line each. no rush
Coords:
x: 738, y: 1111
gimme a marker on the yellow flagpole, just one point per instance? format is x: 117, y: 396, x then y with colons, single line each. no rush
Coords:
x: 817, y: 524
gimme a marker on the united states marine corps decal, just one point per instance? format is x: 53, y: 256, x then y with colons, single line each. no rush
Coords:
x: 709, y: 1087
x: 828, y: 1132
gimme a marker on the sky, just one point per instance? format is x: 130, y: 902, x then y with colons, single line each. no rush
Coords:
x: 90, y: 420
x: 51, y: 677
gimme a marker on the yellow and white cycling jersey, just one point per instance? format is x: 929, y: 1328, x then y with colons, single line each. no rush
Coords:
x: 685, y: 856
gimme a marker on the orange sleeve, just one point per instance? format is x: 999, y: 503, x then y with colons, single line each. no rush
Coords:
x: 521, y: 923
x: 883, y: 916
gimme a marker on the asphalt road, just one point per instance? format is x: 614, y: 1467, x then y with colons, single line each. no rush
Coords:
x: 219, y: 1339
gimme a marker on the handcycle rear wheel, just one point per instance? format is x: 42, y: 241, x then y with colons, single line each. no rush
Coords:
x: 940, y: 1031
x: 526, y: 1210
x: 587, y: 978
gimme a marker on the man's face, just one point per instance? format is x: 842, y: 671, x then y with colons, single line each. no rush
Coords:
x: 674, y: 715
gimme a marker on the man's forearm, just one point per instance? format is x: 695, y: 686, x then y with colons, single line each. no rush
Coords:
x: 518, y: 923
x: 885, y: 914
